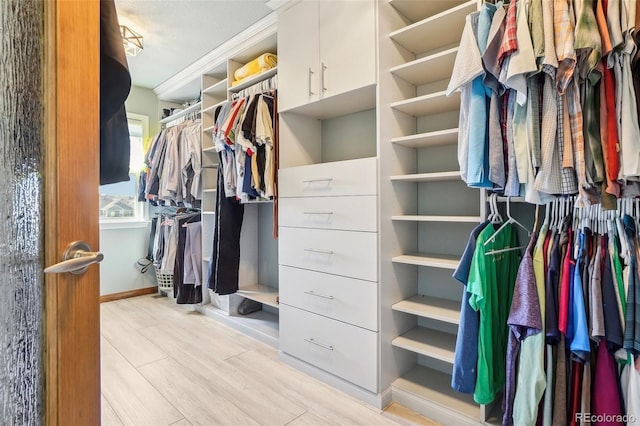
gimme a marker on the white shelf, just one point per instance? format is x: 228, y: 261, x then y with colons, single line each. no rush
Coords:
x: 429, y: 69
x: 206, y: 259
x: 260, y: 293
x: 208, y: 129
x: 208, y: 213
x: 427, y: 177
x: 452, y: 219
x: 210, y: 190
x: 424, y: 140
x: 253, y: 80
x: 438, y: 261
x: 433, y: 103
x: 217, y: 89
x: 209, y: 149
x: 435, y: 387
x: 439, y: 30
x: 356, y: 100
x: 214, y: 106
x: 430, y: 343
x: 430, y: 307
x: 417, y: 10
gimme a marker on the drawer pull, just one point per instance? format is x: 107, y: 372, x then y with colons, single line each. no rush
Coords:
x: 313, y: 250
x: 319, y: 213
x: 313, y: 293
x: 318, y: 180
x: 327, y: 347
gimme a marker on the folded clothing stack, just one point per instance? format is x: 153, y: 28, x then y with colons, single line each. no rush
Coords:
x: 262, y: 63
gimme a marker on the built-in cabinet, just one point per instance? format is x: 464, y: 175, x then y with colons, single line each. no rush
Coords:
x: 328, y: 194
x: 326, y: 48
x: 258, y: 274
x: 426, y: 227
x: 372, y: 213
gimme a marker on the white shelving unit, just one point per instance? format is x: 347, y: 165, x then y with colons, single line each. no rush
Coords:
x: 428, y: 225
x: 216, y: 89
x: 437, y: 31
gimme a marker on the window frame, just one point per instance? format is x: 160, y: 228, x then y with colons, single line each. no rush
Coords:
x: 141, y: 217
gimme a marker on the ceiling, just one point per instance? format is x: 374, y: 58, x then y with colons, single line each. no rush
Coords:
x: 178, y: 32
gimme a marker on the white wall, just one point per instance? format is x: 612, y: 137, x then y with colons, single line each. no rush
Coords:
x: 122, y: 247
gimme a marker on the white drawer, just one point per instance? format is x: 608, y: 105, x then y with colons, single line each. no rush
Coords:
x: 350, y: 177
x: 344, y: 350
x: 352, y: 213
x: 341, y: 298
x: 348, y: 253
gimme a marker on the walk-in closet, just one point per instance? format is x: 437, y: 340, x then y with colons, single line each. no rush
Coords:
x: 429, y: 206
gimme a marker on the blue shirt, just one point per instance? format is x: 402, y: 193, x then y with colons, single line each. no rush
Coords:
x: 465, y: 362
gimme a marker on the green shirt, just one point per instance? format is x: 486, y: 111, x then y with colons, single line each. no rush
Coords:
x: 491, y: 282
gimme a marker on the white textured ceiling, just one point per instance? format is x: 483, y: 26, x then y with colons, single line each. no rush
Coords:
x: 178, y: 32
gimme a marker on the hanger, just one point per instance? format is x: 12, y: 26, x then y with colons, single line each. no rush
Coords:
x: 495, y: 216
x: 510, y: 220
x: 547, y: 209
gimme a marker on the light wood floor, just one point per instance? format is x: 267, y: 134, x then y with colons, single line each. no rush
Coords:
x: 165, y: 365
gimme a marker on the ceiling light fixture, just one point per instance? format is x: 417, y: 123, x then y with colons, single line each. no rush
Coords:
x: 132, y: 41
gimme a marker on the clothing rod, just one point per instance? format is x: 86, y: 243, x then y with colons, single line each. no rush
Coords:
x: 186, y: 111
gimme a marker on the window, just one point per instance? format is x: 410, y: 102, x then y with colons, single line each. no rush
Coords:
x: 119, y: 201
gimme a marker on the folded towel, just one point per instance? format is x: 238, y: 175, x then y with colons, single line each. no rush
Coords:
x: 262, y: 63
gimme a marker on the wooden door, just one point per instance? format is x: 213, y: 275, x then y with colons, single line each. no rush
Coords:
x: 72, y: 311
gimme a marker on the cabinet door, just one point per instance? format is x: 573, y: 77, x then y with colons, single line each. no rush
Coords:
x: 347, y: 45
x: 298, y: 73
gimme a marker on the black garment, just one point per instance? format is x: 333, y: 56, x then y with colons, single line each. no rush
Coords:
x: 115, y: 83
x: 225, y: 254
x: 612, y: 326
x: 183, y: 292
x: 552, y: 285
x: 152, y: 237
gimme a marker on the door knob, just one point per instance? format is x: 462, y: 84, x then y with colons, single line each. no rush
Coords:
x: 76, y: 259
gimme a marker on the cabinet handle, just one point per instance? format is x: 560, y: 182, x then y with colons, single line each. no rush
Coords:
x: 319, y: 213
x: 324, y: 68
x: 313, y: 293
x: 309, y: 82
x: 318, y: 180
x: 327, y: 347
x: 313, y: 250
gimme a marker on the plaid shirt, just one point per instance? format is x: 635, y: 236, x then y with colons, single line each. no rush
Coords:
x: 564, y: 24
x: 509, y: 40
x: 549, y: 177
x: 576, y: 121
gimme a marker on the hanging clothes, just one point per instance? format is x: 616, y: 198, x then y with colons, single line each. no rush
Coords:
x: 225, y: 254
x: 174, y: 160
x: 463, y: 378
x: 115, y: 84
x: 492, y: 301
x: 569, y: 113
